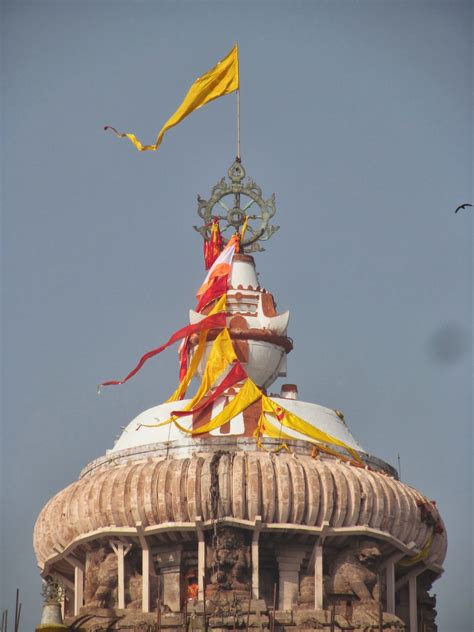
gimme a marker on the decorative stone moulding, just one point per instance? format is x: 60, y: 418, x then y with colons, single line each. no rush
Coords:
x: 287, y: 491
x: 258, y: 332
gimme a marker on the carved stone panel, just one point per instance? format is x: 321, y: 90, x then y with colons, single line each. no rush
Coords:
x: 228, y: 563
x: 100, y: 589
x: 354, y: 574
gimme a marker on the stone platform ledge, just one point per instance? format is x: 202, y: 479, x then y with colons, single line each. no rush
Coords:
x: 301, y: 619
x: 298, y: 620
x: 188, y: 447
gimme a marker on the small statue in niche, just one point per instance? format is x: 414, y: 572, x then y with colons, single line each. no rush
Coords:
x: 191, y: 585
x: 100, y: 578
x: 354, y: 571
x: 229, y: 561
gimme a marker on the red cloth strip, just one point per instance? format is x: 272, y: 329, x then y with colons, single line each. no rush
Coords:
x: 183, y: 361
x: 216, y: 321
x: 236, y: 374
x: 217, y: 288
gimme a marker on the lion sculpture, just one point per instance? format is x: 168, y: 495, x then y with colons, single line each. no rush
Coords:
x: 354, y: 571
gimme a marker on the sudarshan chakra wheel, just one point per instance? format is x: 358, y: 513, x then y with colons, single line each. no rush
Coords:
x: 231, y: 217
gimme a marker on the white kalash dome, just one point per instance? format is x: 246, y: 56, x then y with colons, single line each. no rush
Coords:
x: 137, y: 433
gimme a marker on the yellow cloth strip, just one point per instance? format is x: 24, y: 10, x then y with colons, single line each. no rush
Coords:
x: 267, y: 429
x: 220, y: 80
x: 199, y: 352
x: 248, y: 394
x: 220, y: 306
x: 422, y: 555
x: 296, y: 423
x: 244, y: 228
x: 192, y: 368
x: 221, y: 356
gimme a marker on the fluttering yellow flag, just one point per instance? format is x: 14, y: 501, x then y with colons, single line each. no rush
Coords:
x: 217, y: 82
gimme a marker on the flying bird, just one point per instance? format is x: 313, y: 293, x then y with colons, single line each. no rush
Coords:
x: 463, y: 206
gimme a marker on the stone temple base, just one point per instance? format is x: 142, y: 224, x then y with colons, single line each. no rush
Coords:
x: 235, y: 617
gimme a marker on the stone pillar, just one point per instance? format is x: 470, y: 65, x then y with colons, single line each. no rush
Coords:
x: 390, y: 578
x: 390, y: 585
x: 318, y: 576
x: 146, y: 580
x: 78, y: 589
x: 289, y: 562
x: 412, y: 596
x: 121, y: 551
x: 146, y: 558
x: 255, y: 565
x: 78, y: 582
x: 169, y: 563
x: 201, y: 559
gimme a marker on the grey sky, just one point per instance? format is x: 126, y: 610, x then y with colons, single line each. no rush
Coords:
x: 356, y: 114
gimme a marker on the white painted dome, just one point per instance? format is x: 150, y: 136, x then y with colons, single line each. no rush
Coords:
x: 137, y: 434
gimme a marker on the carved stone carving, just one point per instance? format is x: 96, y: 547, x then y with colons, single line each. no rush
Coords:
x: 306, y: 592
x: 101, y: 578
x: 229, y: 562
x: 354, y: 571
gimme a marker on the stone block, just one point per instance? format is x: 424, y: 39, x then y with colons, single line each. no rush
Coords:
x: 311, y: 618
x: 171, y: 619
x: 284, y: 617
x: 258, y: 605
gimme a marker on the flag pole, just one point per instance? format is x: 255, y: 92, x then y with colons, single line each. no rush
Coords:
x: 238, y: 123
x: 238, y: 110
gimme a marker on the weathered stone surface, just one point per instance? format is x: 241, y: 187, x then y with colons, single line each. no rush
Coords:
x: 299, y: 621
x: 249, y: 484
x: 354, y: 571
x: 101, y: 578
x: 311, y: 618
x: 229, y: 559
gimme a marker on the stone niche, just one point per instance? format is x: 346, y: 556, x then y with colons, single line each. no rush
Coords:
x: 177, y: 567
x: 228, y: 566
x: 100, y: 581
x: 354, y: 580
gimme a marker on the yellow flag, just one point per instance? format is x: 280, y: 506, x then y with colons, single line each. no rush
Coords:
x: 294, y: 422
x: 248, y: 394
x: 220, y: 306
x: 217, y: 82
x: 221, y: 356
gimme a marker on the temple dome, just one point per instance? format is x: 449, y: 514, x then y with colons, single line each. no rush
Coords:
x: 238, y: 498
x: 294, y: 492
x: 137, y: 433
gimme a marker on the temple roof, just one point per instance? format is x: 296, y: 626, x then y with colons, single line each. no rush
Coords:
x: 138, y: 434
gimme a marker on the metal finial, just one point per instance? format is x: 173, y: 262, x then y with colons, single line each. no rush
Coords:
x: 258, y: 228
x: 52, y: 590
